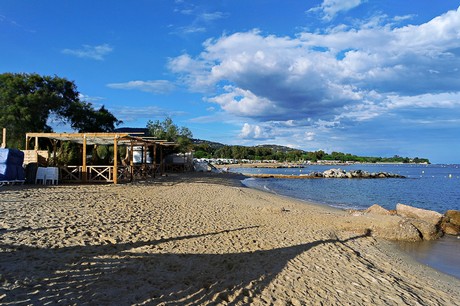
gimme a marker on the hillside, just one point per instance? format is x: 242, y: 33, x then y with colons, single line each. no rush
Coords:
x: 217, y: 145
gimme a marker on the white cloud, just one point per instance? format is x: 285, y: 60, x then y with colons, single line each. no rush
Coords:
x: 241, y: 102
x: 208, y: 17
x: 252, y: 132
x: 309, y: 136
x: 342, y: 75
x: 157, y: 86
x: 92, y: 52
x: 330, y: 8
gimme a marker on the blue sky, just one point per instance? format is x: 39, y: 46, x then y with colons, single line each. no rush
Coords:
x: 375, y: 78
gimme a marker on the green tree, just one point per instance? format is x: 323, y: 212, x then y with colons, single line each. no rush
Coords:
x: 84, y: 118
x: 27, y: 102
x: 168, y: 130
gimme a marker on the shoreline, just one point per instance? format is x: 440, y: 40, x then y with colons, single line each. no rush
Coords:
x: 200, y: 239
x: 280, y: 165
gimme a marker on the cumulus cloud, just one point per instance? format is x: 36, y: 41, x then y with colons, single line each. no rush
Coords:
x: 157, y: 86
x: 342, y: 74
x: 253, y: 132
x: 309, y: 136
x: 92, y: 52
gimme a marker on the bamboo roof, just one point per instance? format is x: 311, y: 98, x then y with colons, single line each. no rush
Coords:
x: 102, y: 138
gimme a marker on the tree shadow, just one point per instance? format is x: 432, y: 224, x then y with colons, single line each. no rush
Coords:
x: 130, y: 273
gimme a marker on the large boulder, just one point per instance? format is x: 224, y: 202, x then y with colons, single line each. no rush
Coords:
x: 399, y: 229
x: 429, y: 216
x: 454, y: 216
x: 376, y: 209
x: 451, y: 222
x: 391, y: 227
x: 450, y: 229
x: 427, y: 230
x: 427, y: 222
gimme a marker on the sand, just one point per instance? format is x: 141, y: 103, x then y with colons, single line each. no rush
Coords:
x: 197, y: 239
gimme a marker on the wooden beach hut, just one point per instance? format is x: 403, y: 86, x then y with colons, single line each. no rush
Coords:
x: 119, y: 170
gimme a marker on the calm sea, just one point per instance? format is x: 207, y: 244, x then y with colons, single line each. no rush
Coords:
x: 433, y: 187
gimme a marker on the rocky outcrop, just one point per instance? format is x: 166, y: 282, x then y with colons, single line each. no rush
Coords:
x: 396, y: 228
x: 451, y: 222
x: 339, y: 173
x: 429, y: 216
x: 408, y: 223
x: 428, y: 222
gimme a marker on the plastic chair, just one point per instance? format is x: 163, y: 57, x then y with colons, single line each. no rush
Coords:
x: 41, y: 175
x: 52, y: 174
x: 47, y: 174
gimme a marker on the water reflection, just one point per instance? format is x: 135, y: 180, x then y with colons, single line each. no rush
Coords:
x: 442, y: 254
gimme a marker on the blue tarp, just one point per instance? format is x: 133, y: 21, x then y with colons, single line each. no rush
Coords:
x: 11, y: 157
x: 11, y: 173
x: 11, y: 165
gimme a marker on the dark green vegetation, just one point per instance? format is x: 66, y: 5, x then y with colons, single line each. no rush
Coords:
x: 29, y: 101
x: 168, y: 130
x: 205, y: 149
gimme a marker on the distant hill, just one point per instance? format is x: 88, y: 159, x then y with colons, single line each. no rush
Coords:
x: 214, y: 145
x: 277, y: 148
x: 217, y: 145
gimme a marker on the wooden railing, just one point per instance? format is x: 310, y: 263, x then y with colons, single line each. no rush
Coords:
x: 95, y: 174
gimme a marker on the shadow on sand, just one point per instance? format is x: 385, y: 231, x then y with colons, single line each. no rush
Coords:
x: 124, y: 274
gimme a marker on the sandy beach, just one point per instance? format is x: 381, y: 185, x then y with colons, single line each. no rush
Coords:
x: 197, y: 239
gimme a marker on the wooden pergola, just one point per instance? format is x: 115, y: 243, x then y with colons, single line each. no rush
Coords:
x: 108, y: 173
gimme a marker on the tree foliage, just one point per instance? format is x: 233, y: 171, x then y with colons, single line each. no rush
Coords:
x: 28, y: 101
x: 168, y: 130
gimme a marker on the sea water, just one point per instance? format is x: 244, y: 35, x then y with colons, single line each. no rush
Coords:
x: 432, y: 187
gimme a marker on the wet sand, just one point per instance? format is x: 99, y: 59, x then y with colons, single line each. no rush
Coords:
x: 197, y: 239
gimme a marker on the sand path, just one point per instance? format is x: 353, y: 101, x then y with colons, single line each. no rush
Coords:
x: 196, y: 239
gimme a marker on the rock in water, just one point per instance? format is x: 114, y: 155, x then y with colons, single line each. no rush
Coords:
x: 426, y: 221
x: 454, y: 216
x: 429, y: 216
x: 451, y: 222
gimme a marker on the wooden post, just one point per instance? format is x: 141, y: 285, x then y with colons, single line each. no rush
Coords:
x: 131, y: 163
x: 83, y: 170
x: 54, y: 152
x: 115, y: 160
x: 144, y: 161
x: 27, y: 142
x: 36, y: 143
x: 154, y: 159
x: 162, y: 164
x: 4, y: 138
